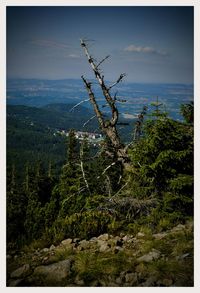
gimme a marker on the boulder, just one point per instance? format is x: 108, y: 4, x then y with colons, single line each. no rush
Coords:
x: 21, y: 272
x: 53, y: 274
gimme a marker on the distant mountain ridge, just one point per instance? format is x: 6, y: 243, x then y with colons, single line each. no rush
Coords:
x: 55, y: 116
x: 39, y: 93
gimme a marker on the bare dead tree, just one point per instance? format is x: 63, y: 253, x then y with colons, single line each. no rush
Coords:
x: 108, y: 126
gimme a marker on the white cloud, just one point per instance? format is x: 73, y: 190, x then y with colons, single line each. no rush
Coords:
x: 140, y: 49
x: 49, y: 43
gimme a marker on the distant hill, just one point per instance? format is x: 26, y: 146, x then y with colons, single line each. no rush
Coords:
x: 54, y: 116
x: 31, y: 132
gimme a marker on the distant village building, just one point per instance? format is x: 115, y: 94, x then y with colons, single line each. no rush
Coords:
x: 80, y: 135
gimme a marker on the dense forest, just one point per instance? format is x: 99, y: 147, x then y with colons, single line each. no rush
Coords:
x: 91, y: 196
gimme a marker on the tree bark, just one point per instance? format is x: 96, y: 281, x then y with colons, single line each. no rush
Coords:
x: 108, y: 127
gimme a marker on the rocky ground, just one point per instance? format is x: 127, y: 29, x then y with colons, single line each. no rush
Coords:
x: 145, y: 259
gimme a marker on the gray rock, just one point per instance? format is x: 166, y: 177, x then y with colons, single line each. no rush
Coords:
x: 104, y: 247
x: 140, y: 235
x: 178, y: 228
x: 54, y: 273
x: 104, y: 237
x: 119, y: 280
x: 76, y: 240
x: 21, y: 272
x: 127, y: 238
x: 52, y: 247
x: 84, y: 244
x: 131, y: 278
x: 93, y: 239
x: 164, y: 282
x: 118, y: 249
x: 79, y: 281
x: 152, y: 255
x: 159, y: 236
x: 14, y: 283
x: 45, y: 249
x: 180, y: 257
x: 67, y: 242
x: 150, y: 282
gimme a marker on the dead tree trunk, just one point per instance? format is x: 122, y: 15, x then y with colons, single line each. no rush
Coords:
x: 108, y: 127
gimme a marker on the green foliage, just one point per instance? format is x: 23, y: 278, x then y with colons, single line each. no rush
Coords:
x: 82, y: 225
x: 187, y: 110
x: 155, y: 192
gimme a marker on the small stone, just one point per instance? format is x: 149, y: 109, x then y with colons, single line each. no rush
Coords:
x: 119, y: 280
x: 178, y: 228
x: 182, y: 256
x: 127, y: 238
x: 131, y: 278
x: 84, y: 244
x: 159, y: 236
x: 165, y: 282
x: 103, y: 237
x: 21, y: 272
x: 66, y: 242
x: 78, y: 281
x: 45, y: 249
x: 76, y: 240
x: 140, y: 235
x: 14, y: 283
x: 52, y: 247
x: 118, y: 249
x: 104, y: 247
x: 93, y: 239
x: 152, y: 255
x: 150, y: 282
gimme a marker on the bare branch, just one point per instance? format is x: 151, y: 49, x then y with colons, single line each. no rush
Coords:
x: 119, y: 79
x: 86, y: 100
x: 121, y: 100
x: 102, y: 61
x: 82, y: 168
x: 89, y: 120
x: 106, y: 169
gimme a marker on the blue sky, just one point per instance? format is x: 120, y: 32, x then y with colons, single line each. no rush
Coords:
x: 149, y: 44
